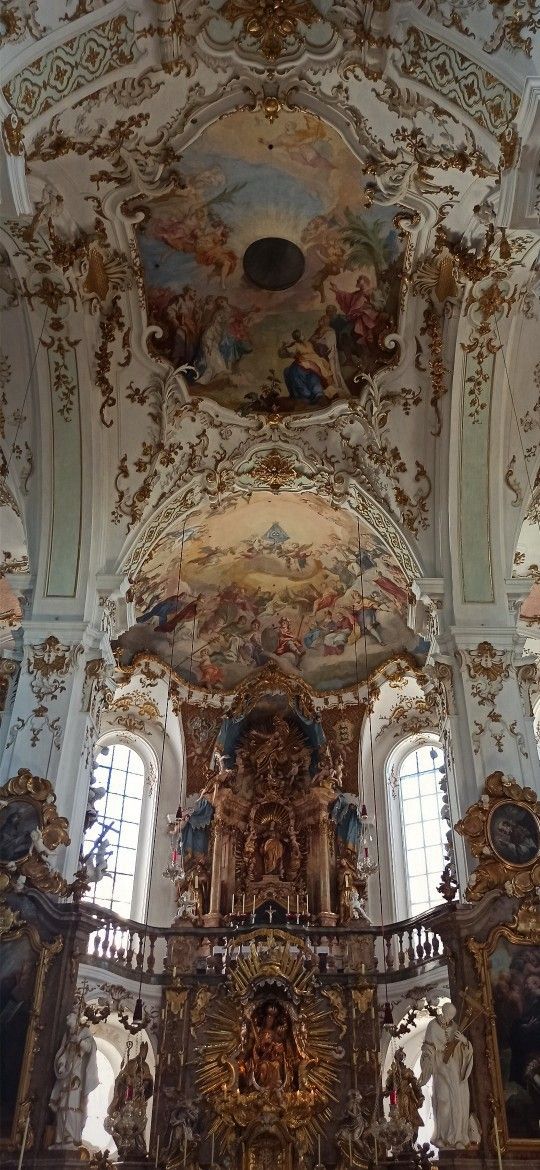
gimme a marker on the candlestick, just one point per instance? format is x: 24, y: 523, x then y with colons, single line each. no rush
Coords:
x: 23, y: 1147
x: 497, y: 1143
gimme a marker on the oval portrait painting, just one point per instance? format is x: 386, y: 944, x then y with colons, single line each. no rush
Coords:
x: 17, y: 821
x: 514, y: 833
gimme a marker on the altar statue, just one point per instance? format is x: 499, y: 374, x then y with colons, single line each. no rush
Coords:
x: 75, y: 1068
x: 447, y: 1056
x: 272, y: 853
x: 126, y: 1115
x: 269, y: 1063
x: 409, y: 1096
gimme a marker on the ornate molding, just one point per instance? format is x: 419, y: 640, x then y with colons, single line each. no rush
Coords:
x: 503, y: 831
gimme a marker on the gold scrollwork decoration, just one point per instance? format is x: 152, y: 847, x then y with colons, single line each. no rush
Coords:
x: 503, y: 831
x: 269, y: 24
x: 31, y: 829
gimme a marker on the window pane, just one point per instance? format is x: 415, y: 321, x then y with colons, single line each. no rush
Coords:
x: 434, y: 858
x: 113, y: 807
x: 424, y: 831
x: 120, y: 756
x: 416, y: 862
x: 121, y: 772
x: 418, y: 887
x: 414, y: 836
x: 430, y: 808
x: 129, y: 835
x: 412, y: 810
x: 409, y: 786
x: 132, y: 809
x: 117, y: 781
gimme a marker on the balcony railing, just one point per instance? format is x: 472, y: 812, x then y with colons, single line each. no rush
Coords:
x: 400, y: 950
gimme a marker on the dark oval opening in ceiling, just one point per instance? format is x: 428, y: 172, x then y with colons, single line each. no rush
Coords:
x: 273, y: 263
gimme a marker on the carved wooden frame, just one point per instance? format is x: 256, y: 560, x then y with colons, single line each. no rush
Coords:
x: 23, y: 1103
x: 37, y: 793
x: 482, y: 952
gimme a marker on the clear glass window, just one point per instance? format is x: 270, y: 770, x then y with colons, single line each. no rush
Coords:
x: 423, y: 830
x: 120, y: 771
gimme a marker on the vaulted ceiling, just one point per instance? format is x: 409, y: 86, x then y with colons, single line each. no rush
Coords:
x: 269, y: 276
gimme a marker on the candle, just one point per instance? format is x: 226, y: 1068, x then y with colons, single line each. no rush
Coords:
x: 232, y: 905
x: 253, y: 911
x: 174, y: 972
x: 497, y: 1143
x: 297, y: 903
x: 23, y: 1147
x: 243, y: 903
x: 288, y: 904
x: 196, y: 881
x: 363, y: 968
x: 307, y: 903
x: 157, y: 1150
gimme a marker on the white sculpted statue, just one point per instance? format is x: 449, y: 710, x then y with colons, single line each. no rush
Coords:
x: 447, y: 1056
x: 75, y: 1067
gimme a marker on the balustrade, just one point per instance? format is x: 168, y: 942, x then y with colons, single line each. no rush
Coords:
x: 401, y: 950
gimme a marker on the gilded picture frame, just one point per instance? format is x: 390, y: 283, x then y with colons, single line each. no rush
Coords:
x: 24, y: 962
x: 30, y: 831
x: 513, y: 833
x: 508, y: 966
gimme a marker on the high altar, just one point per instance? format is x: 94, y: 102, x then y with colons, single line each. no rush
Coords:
x: 269, y: 1001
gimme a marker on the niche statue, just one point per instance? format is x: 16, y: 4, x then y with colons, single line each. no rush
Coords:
x: 126, y: 1115
x: 75, y: 1068
x: 447, y: 1056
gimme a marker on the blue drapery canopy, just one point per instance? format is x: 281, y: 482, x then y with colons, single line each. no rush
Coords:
x: 196, y: 831
x: 346, y: 818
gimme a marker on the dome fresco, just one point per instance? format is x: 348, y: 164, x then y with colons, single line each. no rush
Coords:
x: 286, y: 580
x: 311, y: 328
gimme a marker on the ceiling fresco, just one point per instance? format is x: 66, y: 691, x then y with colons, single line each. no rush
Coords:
x: 285, y: 580
x: 251, y: 346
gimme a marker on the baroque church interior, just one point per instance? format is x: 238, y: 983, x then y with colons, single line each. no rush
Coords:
x: 270, y: 584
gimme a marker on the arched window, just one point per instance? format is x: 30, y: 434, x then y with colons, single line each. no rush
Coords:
x: 124, y: 811
x: 419, y: 831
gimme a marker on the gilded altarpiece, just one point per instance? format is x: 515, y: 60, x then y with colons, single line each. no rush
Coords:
x: 269, y: 1048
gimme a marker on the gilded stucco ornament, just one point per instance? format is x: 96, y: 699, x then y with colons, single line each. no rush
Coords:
x: 31, y: 830
x: 12, y: 134
x: 270, y: 1048
x: 503, y: 831
x: 271, y: 26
